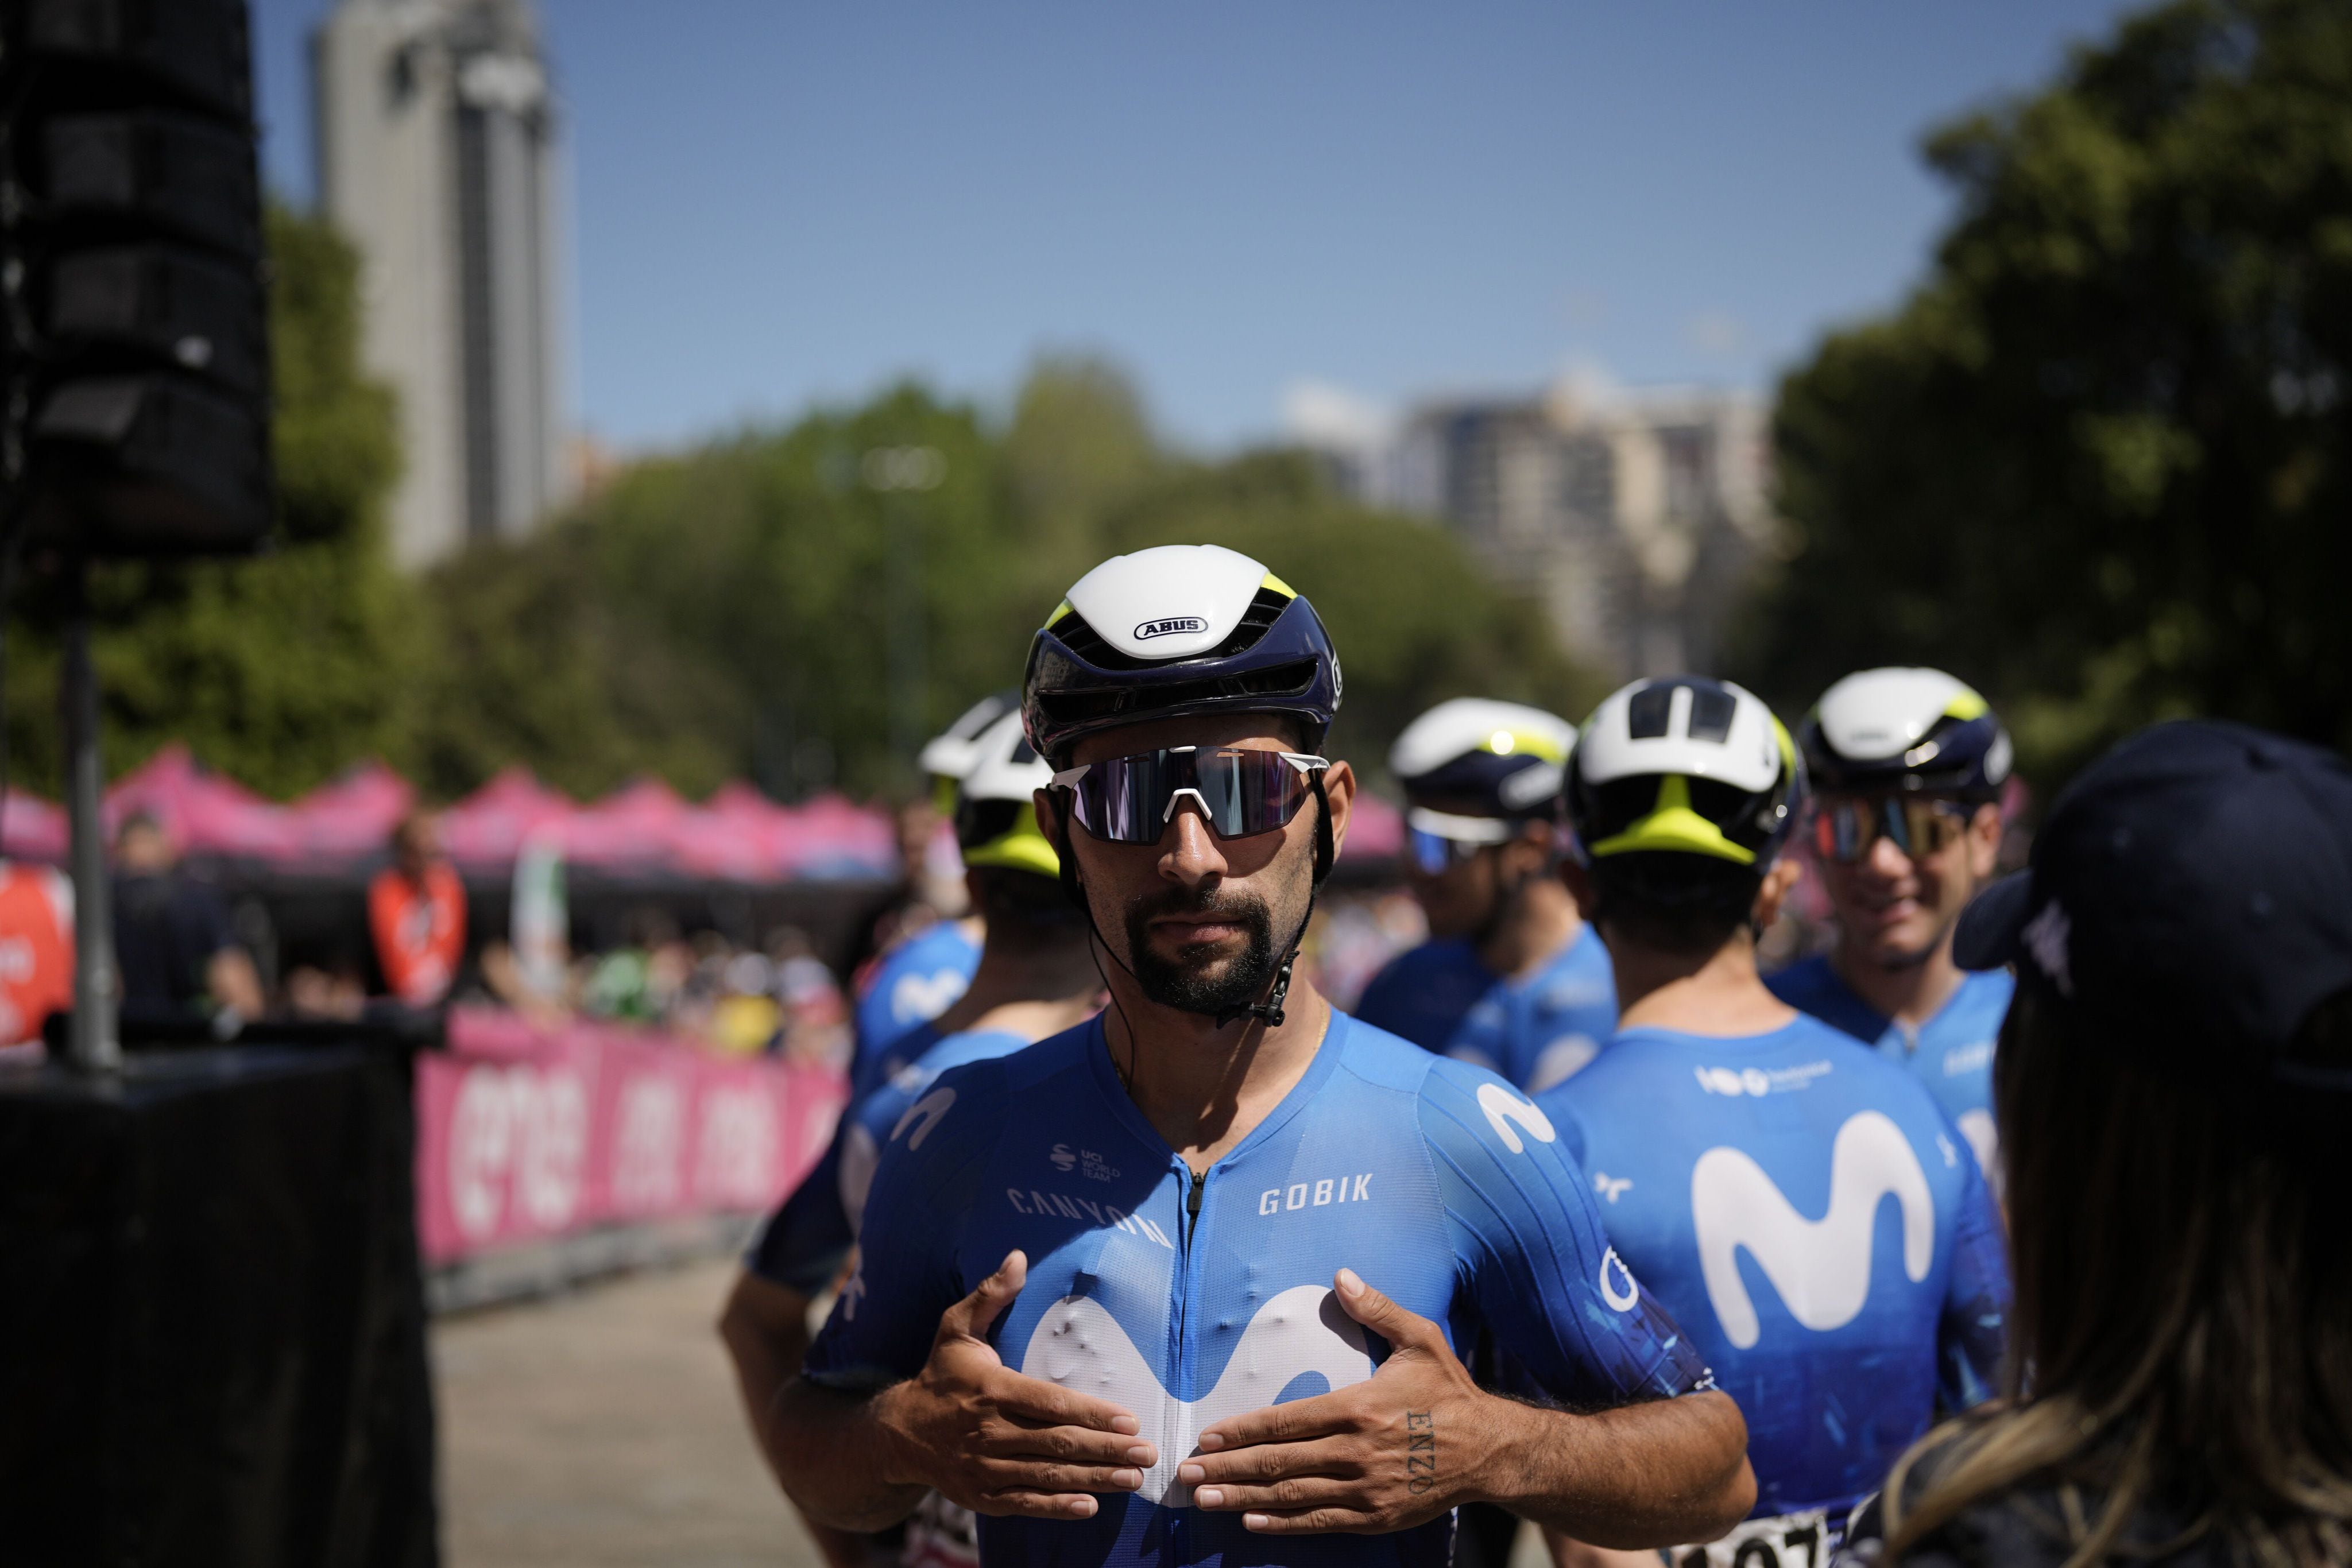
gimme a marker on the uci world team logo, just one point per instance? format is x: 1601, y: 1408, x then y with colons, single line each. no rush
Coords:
x: 1169, y: 626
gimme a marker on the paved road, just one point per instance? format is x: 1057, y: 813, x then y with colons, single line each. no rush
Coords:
x: 600, y: 1430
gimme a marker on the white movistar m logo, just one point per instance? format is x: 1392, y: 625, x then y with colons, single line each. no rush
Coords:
x: 1820, y: 1267
x: 1079, y: 1344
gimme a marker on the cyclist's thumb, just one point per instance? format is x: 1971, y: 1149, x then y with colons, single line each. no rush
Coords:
x: 975, y: 1312
x: 1401, y: 1328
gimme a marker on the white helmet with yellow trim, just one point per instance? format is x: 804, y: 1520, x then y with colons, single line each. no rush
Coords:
x: 1684, y: 765
x: 1475, y: 770
x: 1907, y: 729
x: 996, y: 809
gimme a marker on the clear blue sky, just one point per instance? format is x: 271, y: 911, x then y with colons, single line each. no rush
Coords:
x: 775, y: 204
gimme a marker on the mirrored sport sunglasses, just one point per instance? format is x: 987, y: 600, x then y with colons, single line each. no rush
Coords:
x: 1131, y: 799
x: 1844, y: 830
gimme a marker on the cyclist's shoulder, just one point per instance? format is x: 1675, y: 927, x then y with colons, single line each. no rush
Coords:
x: 1812, y: 985
x: 1378, y: 1056
x: 1982, y: 999
x: 1440, y: 958
x: 970, y: 1091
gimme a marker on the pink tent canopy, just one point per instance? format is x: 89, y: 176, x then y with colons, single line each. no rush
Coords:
x: 738, y: 834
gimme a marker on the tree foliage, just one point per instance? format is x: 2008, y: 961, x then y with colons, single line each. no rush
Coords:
x: 2101, y: 462
x: 731, y: 609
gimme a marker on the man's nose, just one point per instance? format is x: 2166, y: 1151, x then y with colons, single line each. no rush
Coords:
x: 1189, y: 853
x: 1887, y: 858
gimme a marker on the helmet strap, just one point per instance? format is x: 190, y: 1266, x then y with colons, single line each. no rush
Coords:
x: 1279, y: 993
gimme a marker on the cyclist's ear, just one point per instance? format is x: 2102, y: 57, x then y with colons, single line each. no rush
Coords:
x: 1578, y: 878
x: 1778, y: 884
x: 1053, y: 822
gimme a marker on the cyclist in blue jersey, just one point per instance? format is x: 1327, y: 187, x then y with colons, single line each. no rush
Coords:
x: 1511, y: 978
x: 1035, y: 979
x: 911, y: 982
x: 1803, y: 1207
x: 1180, y: 1286
x: 1909, y: 765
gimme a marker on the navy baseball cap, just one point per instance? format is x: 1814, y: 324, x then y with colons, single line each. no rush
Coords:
x: 2192, y: 889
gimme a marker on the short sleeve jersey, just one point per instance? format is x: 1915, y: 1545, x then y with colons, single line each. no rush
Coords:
x: 915, y: 982
x: 808, y: 1238
x: 1816, y: 1222
x: 1436, y: 1181
x: 1951, y: 1053
x: 1533, y: 1030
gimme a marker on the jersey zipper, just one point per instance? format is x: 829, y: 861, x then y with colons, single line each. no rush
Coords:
x: 1189, y: 1287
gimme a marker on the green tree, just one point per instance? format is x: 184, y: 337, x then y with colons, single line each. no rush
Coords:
x: 727, y: 610
x: 280, y: 670
x: 2100, y: 462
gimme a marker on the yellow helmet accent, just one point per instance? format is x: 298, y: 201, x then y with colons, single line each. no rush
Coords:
x: 1517, y: 742
x: 1966, y: 704
x: 1673, y: 825
x: 1279, y: 586
x: 1060, y: 610
x: 1020, y: 847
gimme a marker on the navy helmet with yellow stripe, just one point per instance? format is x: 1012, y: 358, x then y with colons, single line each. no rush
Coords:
x: 1684, y: 765
x: 1174, y: 631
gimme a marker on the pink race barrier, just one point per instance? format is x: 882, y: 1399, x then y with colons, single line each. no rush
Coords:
x: 525, y: 1134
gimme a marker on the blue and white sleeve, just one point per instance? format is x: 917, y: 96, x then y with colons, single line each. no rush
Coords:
x: 1530, y: 1241
x: 1972, y: 1334
x: 805, y: 1242
x: 907, y: 1272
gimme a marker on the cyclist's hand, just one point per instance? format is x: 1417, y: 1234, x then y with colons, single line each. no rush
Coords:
x: 987, y: 1438
x: 1385, y: 1454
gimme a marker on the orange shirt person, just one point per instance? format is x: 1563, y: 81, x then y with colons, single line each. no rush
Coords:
x: 416, y: 914
x: 37, y: 949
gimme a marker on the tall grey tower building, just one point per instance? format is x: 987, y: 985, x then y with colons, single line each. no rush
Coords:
x: 436, y: 154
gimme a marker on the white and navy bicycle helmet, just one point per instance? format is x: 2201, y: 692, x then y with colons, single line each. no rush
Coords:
x: 1905, y: 730
x: 1172, y: 631
x: 1684, y: 765
x: 1475, y: 770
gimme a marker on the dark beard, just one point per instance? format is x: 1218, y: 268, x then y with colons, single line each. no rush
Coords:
x: 1198, y: 988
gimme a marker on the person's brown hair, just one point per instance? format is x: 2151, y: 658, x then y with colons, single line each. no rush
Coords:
x: 2182, y: 1332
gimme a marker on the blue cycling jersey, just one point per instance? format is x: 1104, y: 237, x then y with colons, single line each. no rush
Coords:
x: 915, y: 982
x: 807, y: 1239
x: 1952, y: 1052
x: 1433, y: 1180
x: 1534, y: 1030
x: 1817, y: 1223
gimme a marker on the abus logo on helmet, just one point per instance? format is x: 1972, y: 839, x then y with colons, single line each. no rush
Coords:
x: 1169, y: 626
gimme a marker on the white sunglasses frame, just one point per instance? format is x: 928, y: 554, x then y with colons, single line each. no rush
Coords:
x: 1306, y: 762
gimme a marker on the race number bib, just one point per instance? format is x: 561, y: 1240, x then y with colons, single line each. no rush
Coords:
x: 1791, y: 1541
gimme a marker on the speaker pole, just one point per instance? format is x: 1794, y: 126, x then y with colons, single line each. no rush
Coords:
x: 97, y: 1045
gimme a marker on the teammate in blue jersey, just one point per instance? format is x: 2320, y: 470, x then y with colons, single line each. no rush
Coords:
x: 919, y: 973
x: 1805, y: 1208
x: 1511, y: 978
x: 1909, y: 764
x: 909, y: 987
x: 1181, y: 1286
x: 1035, y: 979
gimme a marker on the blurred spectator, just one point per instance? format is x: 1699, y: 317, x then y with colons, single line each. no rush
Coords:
x: 416, y: 915
x: 37, y: 953
x: 336, y: 994
x: 178, y: 955
x: 2172, y: 1077
x: 815, y: 1013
